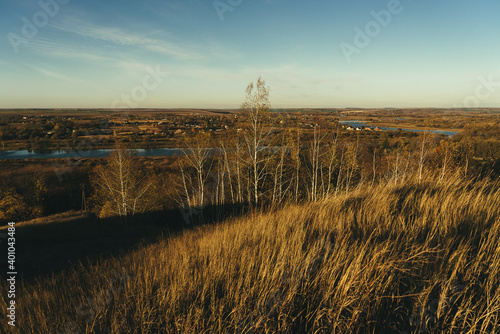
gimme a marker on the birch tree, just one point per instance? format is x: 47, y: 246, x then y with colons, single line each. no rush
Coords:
x: 315, y: 161
x: 123, y: 188
x: 422, y: 155
x: 195, y: 170
x: 256, y: 108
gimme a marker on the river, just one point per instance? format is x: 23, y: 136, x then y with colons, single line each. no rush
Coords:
x: 75, y: 154
x: 157, y: 152
x: 359, y: 124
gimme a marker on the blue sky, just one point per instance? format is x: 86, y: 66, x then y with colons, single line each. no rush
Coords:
x: 90, y: 53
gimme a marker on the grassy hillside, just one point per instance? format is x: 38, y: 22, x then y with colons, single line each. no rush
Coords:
x: 392, y: 259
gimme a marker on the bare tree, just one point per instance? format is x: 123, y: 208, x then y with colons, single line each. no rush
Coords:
x: 197, y: 154
x: 332, y: 160
x: 238, y: 157
x: 227, y: 169
x: 374, y: 166
x: 195, y: 171
x: 122, y: 186
x: 447, y: 148
x: 256, y: 108
x: 281, y: 187
x: 294, y: 143
x: 352, y: 163
x: 395, y: 174
x: 421, y: 160
x: 315, y: 160
x: 341, y: 165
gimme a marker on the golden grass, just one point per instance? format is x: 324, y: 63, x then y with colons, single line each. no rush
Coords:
x: 392, y: 259
x: 59, y: 218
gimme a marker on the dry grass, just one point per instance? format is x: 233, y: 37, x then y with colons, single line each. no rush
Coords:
x: 409, y: 258
x: 59, y: 218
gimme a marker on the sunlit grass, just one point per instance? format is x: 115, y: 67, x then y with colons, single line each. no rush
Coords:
x: 414, y: 257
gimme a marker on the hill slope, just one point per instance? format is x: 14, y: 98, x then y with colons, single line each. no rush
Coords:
x: 392, y: 259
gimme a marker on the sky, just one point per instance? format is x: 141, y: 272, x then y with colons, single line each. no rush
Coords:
x: 203, y: 54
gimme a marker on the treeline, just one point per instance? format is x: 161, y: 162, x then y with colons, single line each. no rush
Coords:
x: 270, y: 167
x: 32, y: 189
x: 47, y: 133
x: 269, y: 160
x: 23, y: 198
x: 265, y: 165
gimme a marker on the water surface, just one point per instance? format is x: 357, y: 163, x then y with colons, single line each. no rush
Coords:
x: 75, y: 154
x: 359, y: 124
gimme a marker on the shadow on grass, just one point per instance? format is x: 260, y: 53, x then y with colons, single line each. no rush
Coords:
x: 48, y: 245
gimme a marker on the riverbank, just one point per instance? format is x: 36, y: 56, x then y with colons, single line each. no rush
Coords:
x: 361, y: 124
x: 84, y: 154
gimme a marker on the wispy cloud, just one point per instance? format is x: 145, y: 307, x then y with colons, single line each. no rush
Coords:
x: 60, y: 50
x: 121, y: 37
x: 91, y: 56
x: 288, y: 76
x: 56, y: 75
